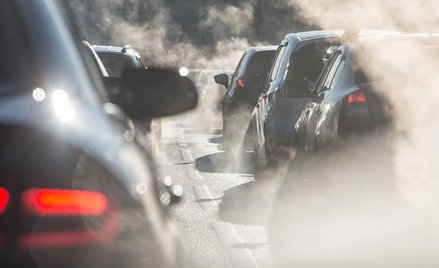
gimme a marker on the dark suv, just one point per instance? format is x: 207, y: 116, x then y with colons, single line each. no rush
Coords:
x: 76, y: 190
x: 296, y: 66
x: 241, y: 95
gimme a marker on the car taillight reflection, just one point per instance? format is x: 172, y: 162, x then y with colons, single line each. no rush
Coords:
x: 54, y: 202
x: 4, y: 199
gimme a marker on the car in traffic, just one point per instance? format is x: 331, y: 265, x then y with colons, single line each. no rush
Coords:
x: 242, y: 94
x: 76, y: 189
x: 296, y: 66
x: 117, y: 59
x: 344, y: 181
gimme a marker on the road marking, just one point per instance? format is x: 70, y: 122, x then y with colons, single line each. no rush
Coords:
x: 186, y: 155
x: 180, y: 138
x: 228, y: 237
x: 192, y: 172
x: 205, y: 199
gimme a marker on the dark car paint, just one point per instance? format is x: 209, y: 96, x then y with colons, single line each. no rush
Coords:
x: 324, y: 119
x: 122, y: 56
x: 275, y: 114
x: 238, y: 103
x: 111, y: 163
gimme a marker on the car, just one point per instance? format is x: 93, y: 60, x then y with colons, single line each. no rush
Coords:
x: 344, y: 100
x: 296, y: 66
x: 241, y: 95
x: 76, y: 189
x: 117, y: 59
x: 344, y: 181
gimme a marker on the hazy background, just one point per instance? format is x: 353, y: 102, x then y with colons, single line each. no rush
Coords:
x: 373, y: 202
x: 190, y: 32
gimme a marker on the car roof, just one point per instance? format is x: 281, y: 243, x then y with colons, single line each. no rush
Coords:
x: 114, y: 49
x: 262, y: 48
x: 303, y: 36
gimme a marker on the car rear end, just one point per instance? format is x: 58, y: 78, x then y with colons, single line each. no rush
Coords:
x: 73, y: 191
x: 55, y: 209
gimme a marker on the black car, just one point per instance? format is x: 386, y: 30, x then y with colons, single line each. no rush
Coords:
x: 242, y: 94
x: 297, y: 64
x: 76, y: 190
x: 117, y: 59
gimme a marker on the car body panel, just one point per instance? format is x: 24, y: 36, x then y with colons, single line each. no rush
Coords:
x: 72, y: 111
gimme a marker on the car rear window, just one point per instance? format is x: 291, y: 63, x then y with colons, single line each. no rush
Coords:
x: 116, y: 64
x: 260, y: 64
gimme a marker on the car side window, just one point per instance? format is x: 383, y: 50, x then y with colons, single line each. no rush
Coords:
x: 322, y: 77
x: 277, y: 62
x: 337, y: 75
x: 329, y: 72
x: 237, y: 67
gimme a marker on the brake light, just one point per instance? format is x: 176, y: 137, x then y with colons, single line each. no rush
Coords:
x: 357, y: 97
x: 54, y: 202
x: 4, y: 199
x: 240, y: 82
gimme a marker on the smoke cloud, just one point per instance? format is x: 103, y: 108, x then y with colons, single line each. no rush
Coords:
x: 371, y: 202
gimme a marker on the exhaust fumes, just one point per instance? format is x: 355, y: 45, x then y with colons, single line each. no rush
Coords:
x: 366, y: 201
x: 371, y: 201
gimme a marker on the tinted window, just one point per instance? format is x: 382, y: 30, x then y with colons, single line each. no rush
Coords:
x: 322, y: 77
x: 331, y: 72
x: 260, y: 64
x: 307, y: 62
x: 277, y: 62
x: 116, y: 64
x: 237, y: 67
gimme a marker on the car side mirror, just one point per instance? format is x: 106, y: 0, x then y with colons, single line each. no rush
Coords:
x: 297, y: 87
x: 222, y: 79
x: 149, y: 93
x: 253, y: 82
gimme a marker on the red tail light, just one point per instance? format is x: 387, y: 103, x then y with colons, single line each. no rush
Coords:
x: 4, y: 199
x: 53, y: 202
x: 240, y: 82
x: 357, y: 97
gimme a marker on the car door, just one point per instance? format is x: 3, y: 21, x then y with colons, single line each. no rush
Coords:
x: 260, y: 110
x: 326, y: 112
x: 310, y: 119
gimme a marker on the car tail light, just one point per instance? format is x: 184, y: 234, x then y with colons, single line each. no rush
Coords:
x: 357, y: 97
x: 240, y: 82
x: 4, y: 199
x: 54, y: 202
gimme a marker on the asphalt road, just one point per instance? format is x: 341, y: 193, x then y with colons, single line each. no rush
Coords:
x: 224, y: 212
